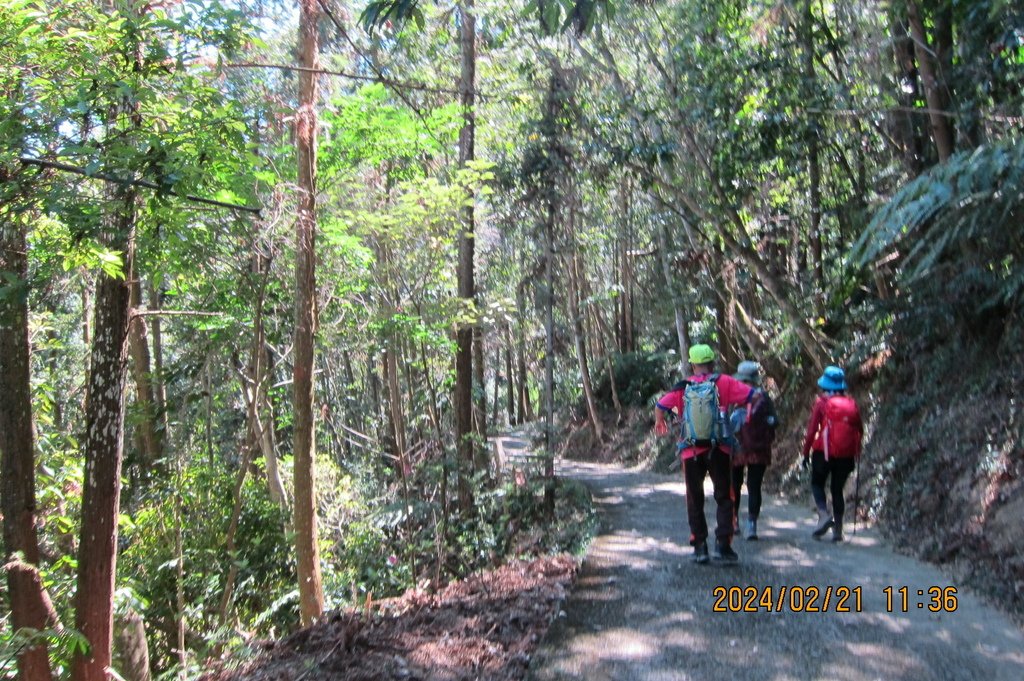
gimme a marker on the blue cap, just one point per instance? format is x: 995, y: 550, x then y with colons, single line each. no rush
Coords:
x: 833, y: 380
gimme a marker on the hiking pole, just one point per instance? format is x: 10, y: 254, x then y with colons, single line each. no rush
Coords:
x: 856, y: 495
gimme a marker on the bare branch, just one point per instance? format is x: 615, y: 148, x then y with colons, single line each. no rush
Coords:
x: 379, y: 78
x: 55, y: 165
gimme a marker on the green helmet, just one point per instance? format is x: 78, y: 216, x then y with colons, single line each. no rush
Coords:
x: 701, y: 354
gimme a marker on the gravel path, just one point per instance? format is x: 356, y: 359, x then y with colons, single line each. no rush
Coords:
x: 642, y: 610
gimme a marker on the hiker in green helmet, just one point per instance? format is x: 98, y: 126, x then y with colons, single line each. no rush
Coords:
x: 753, y: 428
x: 701, y: 403
x: 833, y: 440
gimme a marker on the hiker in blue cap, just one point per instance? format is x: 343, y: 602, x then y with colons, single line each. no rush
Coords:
x: 834, y: 435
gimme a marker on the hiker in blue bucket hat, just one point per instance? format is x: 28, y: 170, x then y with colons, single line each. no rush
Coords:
x: 833, y: 440
x: 833, y: 380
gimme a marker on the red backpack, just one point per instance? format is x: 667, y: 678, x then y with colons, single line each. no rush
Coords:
x: 842, y: 431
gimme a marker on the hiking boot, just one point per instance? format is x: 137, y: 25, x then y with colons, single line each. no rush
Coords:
x: 725, y: 553
x: 752, y: 529
x: 700, y: 552
x: 824, y: 523
x: 837, y: 532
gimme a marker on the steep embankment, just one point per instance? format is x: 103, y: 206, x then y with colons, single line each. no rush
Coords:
x: 946, y: 464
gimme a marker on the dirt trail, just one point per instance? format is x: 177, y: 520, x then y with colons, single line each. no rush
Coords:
x: 642, y: 610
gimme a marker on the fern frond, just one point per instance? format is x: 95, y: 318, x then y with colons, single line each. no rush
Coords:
x: 966, y: 200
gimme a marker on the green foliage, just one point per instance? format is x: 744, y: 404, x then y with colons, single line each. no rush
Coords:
x: 969, y: 206
x: 383, y: 549
x: 579, y: 16
x: 366, y: 128
x: 381, y: 13
x: 266, y: 568
x: 716, y: 113
x: 553, y: 16
x: 62, y: 646
x: 639, y: 376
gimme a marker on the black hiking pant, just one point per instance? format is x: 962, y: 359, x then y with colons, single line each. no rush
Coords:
x: 719, y: 466
x: 755, y: 474
x: 836, y: 471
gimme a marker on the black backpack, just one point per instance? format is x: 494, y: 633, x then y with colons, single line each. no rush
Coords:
x: 758, y: 430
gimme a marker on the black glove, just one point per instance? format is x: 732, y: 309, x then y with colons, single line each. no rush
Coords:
x: 805, y: 462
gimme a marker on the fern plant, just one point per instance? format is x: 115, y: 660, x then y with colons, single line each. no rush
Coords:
x: 973, y: 203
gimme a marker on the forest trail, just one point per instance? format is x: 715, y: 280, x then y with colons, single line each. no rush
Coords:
x: 640, y: 609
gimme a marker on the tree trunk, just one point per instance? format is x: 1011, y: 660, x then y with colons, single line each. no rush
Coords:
x: 131, y: 647
x: 396, y: 416
x: 682, y: 334
x: 726, y: 317
x: 549, y: 360
x: 104, y: 448
x: 229, y: 538
x: 907, y: 130
x: 628, y: 285
x: 465, y: 274
x: 496, y: 396
x: 522, y: 376
x: 208, y: 404
x: 145, y: 395
x: 30, y: 606
x: 159, y: 385
x: 350, y: 384
x: 928, y: 64
x: 254, y: 387
x: 813, y: 154
x: 603, y: 330
x: 510, y: 377
x: 311, y: 597
x: 575, y: 276
x: 481, y: 462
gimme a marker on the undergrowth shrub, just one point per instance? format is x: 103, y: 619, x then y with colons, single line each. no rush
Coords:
x: 638, y: 376
x: 263, y: 558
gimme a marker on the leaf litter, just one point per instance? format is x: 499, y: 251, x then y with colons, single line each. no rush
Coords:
x: 484, y: 627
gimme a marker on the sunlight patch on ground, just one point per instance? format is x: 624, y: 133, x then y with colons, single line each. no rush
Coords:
x: 618, y: 644
x: 673, y: 488
x: 993, y: 653
x: 787, y: 556
x: 676, y: 618
x: 880, y: 661
x: 892, y: 624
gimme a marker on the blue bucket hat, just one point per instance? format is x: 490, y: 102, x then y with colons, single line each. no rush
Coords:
x: 833, y: 380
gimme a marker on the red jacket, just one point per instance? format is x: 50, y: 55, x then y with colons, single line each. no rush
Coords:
x: 731, y: 393
x: 814, y: 439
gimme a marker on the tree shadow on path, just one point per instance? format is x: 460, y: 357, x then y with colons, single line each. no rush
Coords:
x: 641, y: 609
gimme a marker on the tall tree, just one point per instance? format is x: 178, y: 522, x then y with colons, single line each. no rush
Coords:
x: 311, y: 597
x: 104, y: 446
x: 30, y: 608
x: 105, y: 399
x: 465, y: 444
x: 813, y: 135
x: 931, y: 55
